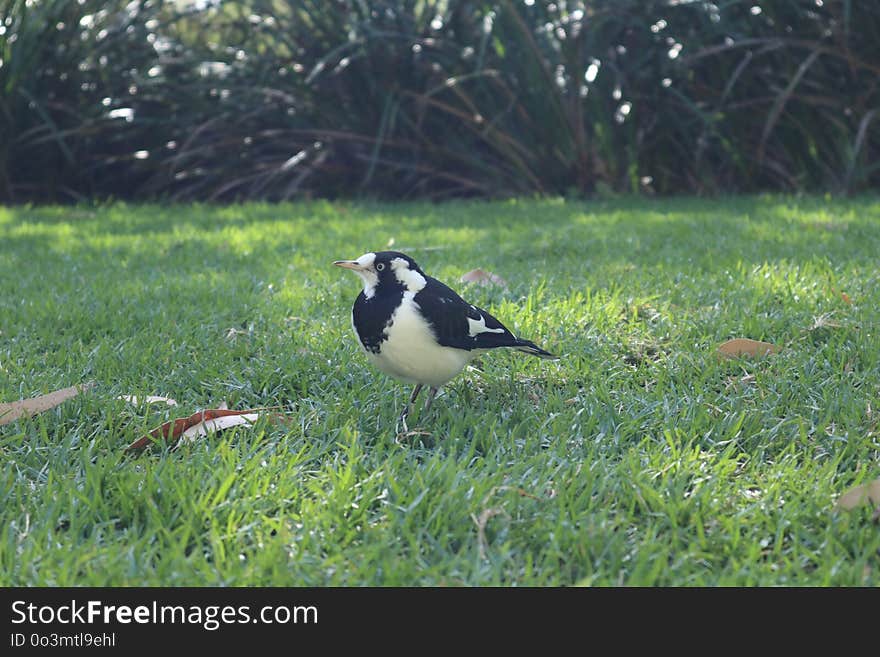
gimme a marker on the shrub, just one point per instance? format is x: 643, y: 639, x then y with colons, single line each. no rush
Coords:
x: 436, y: 98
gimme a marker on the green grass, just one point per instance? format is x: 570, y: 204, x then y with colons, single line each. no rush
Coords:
x: 638, y: 458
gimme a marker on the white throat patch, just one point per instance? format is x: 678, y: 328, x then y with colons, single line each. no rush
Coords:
x: 371, y: 280
x: 412, y: 280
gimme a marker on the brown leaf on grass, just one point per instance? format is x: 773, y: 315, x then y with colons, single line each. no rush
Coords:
x: 846, y: 298
x: 173, y: 430
x: 854, y: 497
x: 218, y: 424
x: 481, y: 277
x: 150, y: 399
x: 27, y: 407
x: 739, y: 347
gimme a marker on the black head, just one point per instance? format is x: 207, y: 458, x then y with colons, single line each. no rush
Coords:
x: 383, y: 271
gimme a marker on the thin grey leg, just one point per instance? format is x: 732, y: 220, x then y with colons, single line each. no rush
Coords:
x: 409, y: 406
x: 415, y: 394
x: 431, y: 394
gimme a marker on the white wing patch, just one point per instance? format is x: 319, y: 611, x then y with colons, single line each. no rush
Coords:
x: 476, y: 327
x: 412, y: 280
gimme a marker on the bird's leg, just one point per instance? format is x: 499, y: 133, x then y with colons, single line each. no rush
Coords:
x: 413, y: 397
x: 409, y: 406
x: 431, y: 394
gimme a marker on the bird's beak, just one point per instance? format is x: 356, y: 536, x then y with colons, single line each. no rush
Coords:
x: 348, y: 264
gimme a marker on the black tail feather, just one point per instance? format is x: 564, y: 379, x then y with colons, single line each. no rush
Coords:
x: 529, y: 347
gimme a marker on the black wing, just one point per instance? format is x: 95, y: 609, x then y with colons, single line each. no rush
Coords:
x: 449, y: 317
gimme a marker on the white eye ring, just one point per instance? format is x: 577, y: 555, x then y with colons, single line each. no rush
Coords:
x: 380, y: 266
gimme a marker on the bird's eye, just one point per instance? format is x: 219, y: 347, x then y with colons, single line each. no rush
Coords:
x: 380, y: 266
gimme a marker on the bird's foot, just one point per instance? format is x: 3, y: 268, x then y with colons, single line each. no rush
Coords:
x: 401, y: 421
x: 407, y: 409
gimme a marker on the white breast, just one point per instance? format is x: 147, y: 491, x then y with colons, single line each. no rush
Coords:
x: 411, y: 352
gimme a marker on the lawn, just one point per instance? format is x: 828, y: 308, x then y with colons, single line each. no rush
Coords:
x: 638, y: 458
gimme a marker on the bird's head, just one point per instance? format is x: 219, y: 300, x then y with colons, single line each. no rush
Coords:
x: 386, y: 271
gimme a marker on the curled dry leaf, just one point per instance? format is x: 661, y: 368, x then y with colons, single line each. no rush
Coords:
x: 481, y: 277
x: 859, y: 495
x: 172, y: 430
x: 27, y: 407
x: 150, y: 399
x: 218, y: 424
x: 744, y: 347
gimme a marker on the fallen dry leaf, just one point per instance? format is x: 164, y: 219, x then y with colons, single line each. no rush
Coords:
x: 174, y: 429
x: 845, y: 297
x: 150, y: 399
x: 859, y: 495
x: 218, y: 424
x: 27, y: 407
x: 481, y: 277
x: 739, y: 347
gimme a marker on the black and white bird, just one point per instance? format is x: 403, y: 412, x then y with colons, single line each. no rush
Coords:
x: 416, y: 329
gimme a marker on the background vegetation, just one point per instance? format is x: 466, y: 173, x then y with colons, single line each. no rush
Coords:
x: 272, y: 99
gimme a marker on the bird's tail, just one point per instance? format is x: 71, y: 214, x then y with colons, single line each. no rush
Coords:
x: 529, y: 347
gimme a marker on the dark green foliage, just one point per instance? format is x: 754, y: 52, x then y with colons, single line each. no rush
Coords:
x: 278, y: 98
x: 61, y: 59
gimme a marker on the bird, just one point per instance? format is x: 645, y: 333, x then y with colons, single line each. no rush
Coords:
x: 418, y: 330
